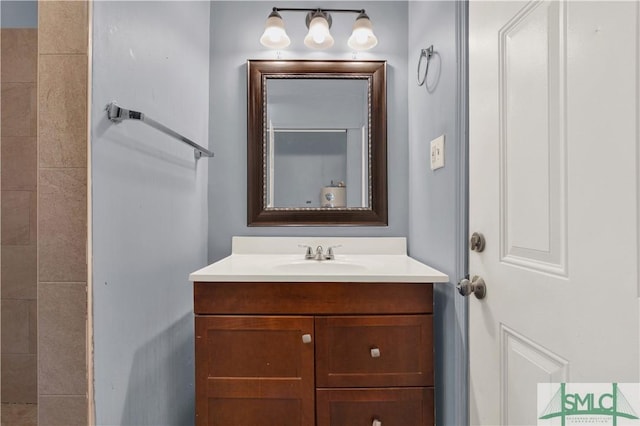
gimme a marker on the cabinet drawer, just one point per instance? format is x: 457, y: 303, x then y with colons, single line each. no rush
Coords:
x: 361, y: 407
x: 373, y: 351
x: 312, y: 298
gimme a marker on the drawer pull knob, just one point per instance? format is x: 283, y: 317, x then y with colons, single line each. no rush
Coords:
x: 376, y: 422
x: 306, y: 338
x: 375, y: 353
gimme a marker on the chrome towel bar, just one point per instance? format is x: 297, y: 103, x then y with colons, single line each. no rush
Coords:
x: 117, y: 114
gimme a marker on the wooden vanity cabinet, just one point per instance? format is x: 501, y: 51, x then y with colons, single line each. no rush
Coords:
x: 304, y: 354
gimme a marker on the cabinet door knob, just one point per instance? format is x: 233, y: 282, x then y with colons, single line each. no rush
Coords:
x: 306, y: 338
x: 375, y: 353
x: 376, y: 422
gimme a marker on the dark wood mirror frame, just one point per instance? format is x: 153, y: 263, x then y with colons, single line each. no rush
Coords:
x: 257, y: 212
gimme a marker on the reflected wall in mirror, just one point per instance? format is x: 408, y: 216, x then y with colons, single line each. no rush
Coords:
x: 317, y: 143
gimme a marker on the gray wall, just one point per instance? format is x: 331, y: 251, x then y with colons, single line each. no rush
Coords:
x: 19, y: 14
x: 150, y: 214
x: 149, y: 207
x: 236, y: 28
x: 437, y: 199
x: 317, y: 104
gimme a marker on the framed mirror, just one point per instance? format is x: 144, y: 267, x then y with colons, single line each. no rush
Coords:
x: 316, y: 143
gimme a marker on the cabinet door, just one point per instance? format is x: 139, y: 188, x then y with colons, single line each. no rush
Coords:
x: 254, y: 371
x: 375, y: 407
x: 372, y: 351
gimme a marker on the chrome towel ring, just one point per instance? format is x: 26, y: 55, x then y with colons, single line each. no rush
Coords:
x: 427, y: 54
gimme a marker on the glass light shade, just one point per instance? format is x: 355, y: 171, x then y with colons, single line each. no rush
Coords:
x: 318, y: 36
x: 362, y: 37
x: 275, y: 36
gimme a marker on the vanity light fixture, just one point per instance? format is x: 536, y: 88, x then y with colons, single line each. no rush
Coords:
x: 319, y: 22
x: 274, y: 34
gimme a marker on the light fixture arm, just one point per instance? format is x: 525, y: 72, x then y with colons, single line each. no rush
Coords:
x: 299, y: 9
x: 312, y: 13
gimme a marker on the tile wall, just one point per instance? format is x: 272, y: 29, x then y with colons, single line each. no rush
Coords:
x: 18, y: 193
x: 44, y: 218
x: 62, y: 216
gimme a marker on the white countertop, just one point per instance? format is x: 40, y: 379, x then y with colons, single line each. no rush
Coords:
x: 279, y: 259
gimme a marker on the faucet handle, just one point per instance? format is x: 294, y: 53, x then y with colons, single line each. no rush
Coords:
x: 309, y: 253
x: 330, y: 255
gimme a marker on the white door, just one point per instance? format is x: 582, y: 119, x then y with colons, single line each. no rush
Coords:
x: 554, y: 116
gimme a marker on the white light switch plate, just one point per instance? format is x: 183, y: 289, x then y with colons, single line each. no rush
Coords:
x: 437, y: 153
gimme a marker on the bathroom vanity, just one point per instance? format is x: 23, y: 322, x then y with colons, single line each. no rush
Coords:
x: 283, y: 340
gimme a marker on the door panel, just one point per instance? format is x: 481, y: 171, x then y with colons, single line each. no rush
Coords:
x: 532, y: 139
x: 525, y: 362
x: 553, y: 101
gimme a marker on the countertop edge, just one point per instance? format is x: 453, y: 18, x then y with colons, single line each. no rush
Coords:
x: 320, y: 278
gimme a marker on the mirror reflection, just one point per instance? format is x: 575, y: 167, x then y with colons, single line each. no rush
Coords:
x: 317, y: 143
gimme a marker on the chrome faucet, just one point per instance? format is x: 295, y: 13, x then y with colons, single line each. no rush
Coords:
x: 320, y: 254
